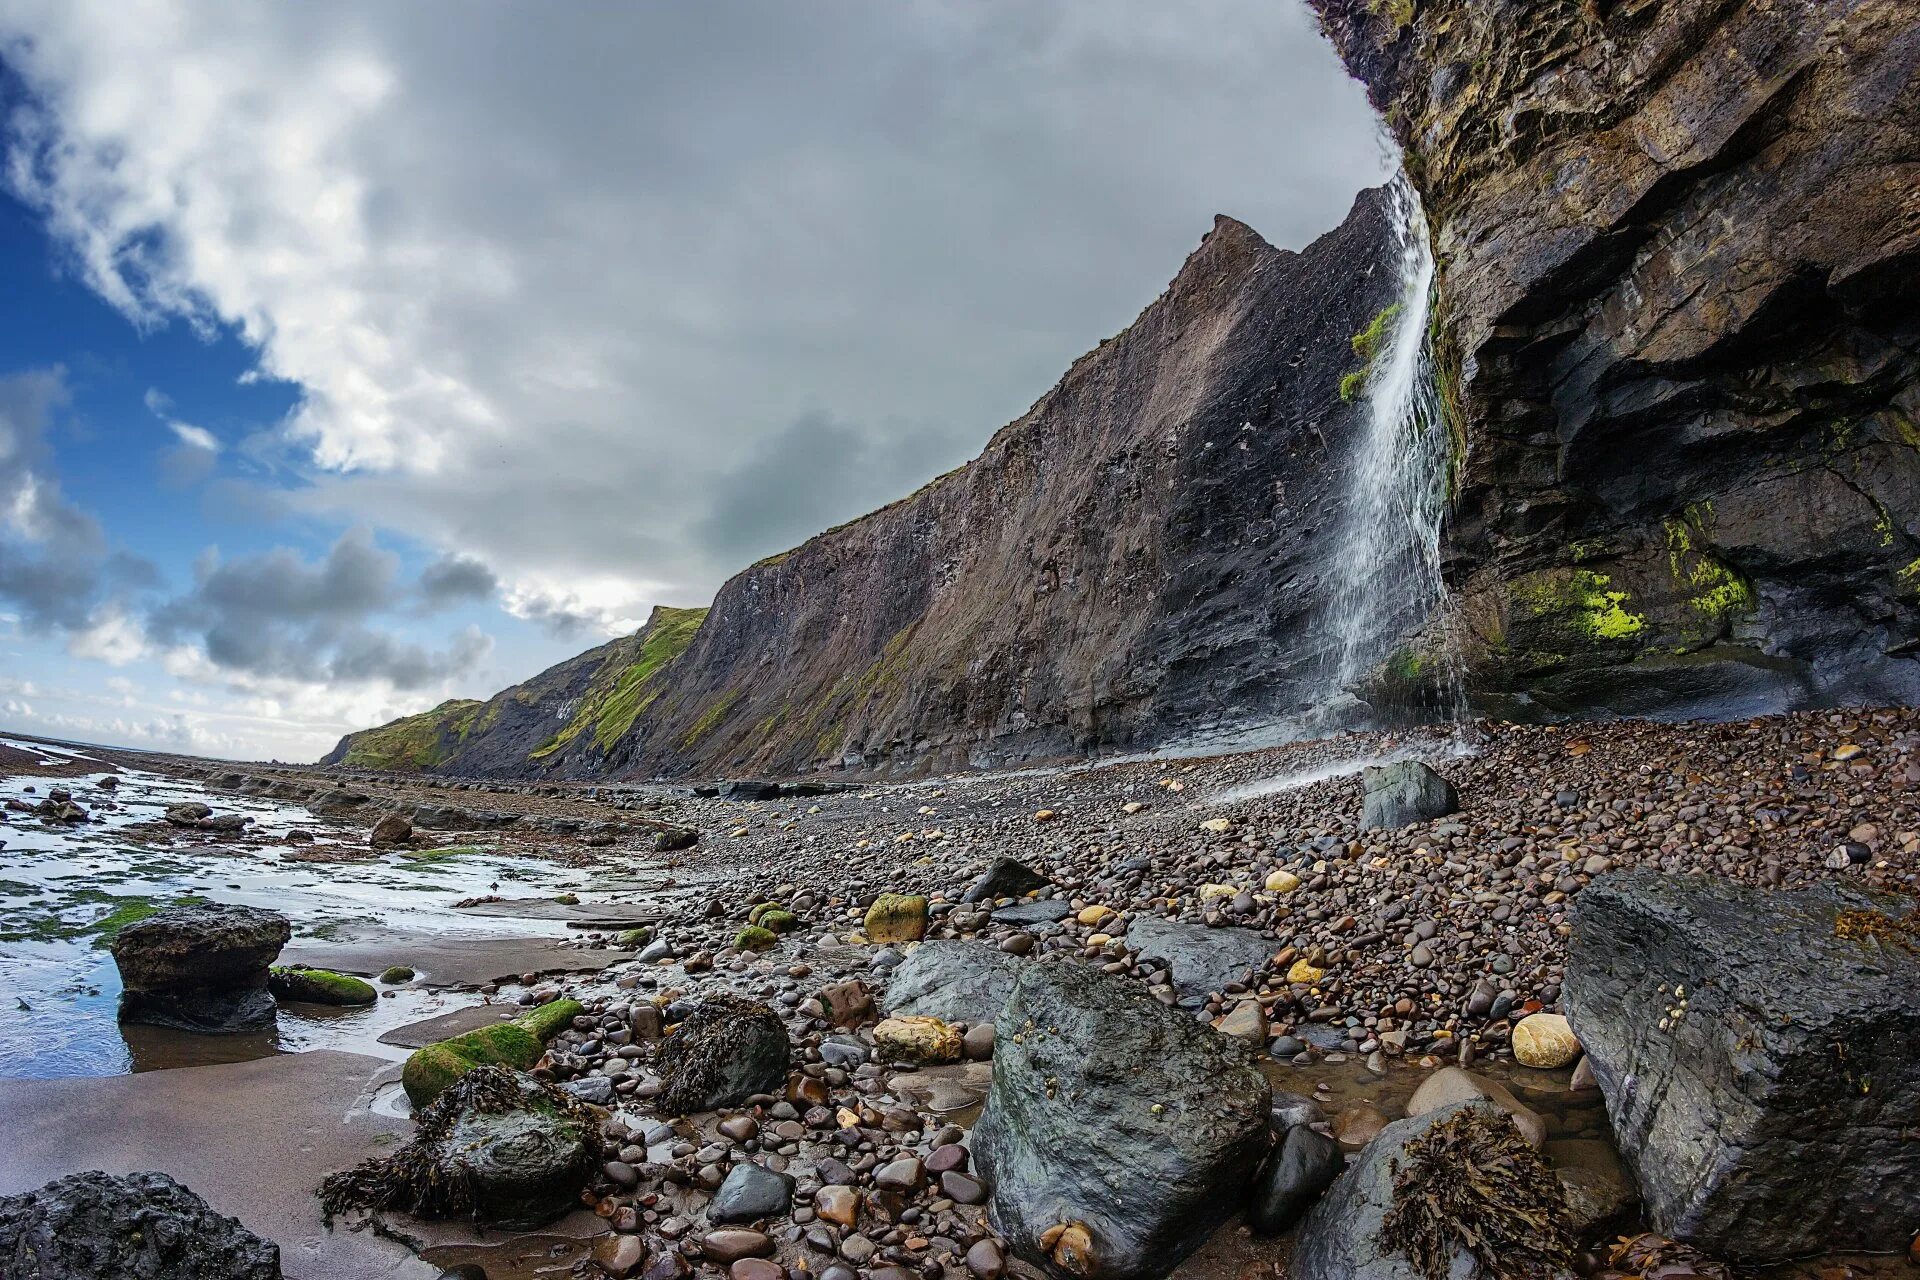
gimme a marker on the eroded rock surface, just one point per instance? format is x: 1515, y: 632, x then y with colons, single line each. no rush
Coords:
x: 200, y: 968
x: 1756, y: 1050
x: 139, y: 1226
x: 1679, y: 262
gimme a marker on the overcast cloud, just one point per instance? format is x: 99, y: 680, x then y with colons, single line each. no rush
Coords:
x: 605, y: 302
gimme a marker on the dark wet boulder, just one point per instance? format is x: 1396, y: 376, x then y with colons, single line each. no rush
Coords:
x: 1117, y: 1133
x: 200, y: 968
x: 1201, y: 959
x: 496, y: 1147
x: 676, y: 839
x: 1006, y: 878
x: 1402, y: 793
x: 137, y: 1226
x: 1759, y: 1052
x: 725, y: 1051
x: 1439, y: 1194
x: 335, y: 803
x: 749, y: 789
x: 1300, y: 1169
x: 392, y: 829
x: 952, y: 981
x: 189, y: 813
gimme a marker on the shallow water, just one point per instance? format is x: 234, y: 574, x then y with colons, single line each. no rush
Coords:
x: 62, y: 890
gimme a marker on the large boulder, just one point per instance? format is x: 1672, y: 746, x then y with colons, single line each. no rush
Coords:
x: 138, y: 1226
x: 953, y: 981
x: 1759, y: 1052
x: 1201, y: 959
x: 1402, y: 793
x: 200, y: 968
x: 727, y: 1050
x: 496, y: 1147
x: 1430, y: 1184
x: 1117, y: 1133
x: 1006, y: 878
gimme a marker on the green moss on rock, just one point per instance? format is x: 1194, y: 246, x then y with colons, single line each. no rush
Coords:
x: 319, y: 986
x: 517, y: 1044
x: 754, y: 938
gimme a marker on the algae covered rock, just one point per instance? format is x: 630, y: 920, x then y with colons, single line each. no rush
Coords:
x: 728, y: 1049
x: 754, y: 938
x: 897, y: 917
x: 320, y: 986
x: 518, y: 1045
x: 496, y: 1147
x: 1455, y: 1192
x: 138, y: 1226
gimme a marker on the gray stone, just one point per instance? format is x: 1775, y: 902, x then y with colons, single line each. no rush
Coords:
x: 750, y: 1193
x: 1179, y: 1114
x: 1753, y: 1059
x: 952, y: 981
x: 1202, y: 959
x: 140, y: 1226
x: 1040, y: 911
x: 1407, y: 791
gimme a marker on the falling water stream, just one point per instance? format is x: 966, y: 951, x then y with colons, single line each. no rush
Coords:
x: 1386, y: 563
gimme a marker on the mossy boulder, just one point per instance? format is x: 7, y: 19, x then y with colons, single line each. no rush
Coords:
x: 773, y: 917
x: 320, y: 986
x: 897, y: 917
x: 517, y: 1044
x: 634, y: 939
x: 754, y: 938
x: 396, y: 975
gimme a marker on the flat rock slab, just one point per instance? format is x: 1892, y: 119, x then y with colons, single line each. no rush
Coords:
x: 442, y: 961
x: 1203, y: 960
x: 251, y: 1138
x: 953, y: 981
x: 418, y: 1035
x: 581, y: 915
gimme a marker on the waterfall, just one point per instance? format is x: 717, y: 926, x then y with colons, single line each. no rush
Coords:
x: 1386, y: 562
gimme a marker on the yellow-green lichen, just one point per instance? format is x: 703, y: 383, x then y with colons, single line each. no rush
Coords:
x: 1714, y: 590
x: 1582, y: 598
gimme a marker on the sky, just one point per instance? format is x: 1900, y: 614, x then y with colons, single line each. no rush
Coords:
x: 357, y: 356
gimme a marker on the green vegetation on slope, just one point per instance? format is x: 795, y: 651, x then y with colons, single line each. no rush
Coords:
x: 619, y: 691
x: 416, y: 742
x: 1366, y: 345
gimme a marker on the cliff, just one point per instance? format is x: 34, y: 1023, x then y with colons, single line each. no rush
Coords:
x: 1136, y: 557
x: 1679, y: 282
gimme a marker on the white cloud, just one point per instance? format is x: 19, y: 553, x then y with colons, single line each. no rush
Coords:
x: 558, y: 288
x: 195, y: 437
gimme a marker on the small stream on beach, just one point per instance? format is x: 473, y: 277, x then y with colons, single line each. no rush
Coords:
x: 64, y: 889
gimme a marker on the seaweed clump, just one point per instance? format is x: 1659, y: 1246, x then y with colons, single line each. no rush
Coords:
x: 1472, y: 1182
x: 726, y: 1050
x: 1653, y: 1257
x: 495, y: 1146
x: 1862, y: 925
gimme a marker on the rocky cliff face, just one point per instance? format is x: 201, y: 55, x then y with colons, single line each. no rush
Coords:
x: 1679, y: 253
x: 1139, y: 556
